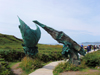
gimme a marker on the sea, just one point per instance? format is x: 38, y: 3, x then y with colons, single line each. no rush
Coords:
x: 86, y: 44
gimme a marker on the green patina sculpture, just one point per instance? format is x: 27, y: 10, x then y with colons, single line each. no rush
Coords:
x: 30, y: 38
x: 70, y: 47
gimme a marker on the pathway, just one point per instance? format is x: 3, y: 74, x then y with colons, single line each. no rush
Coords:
x: 48, y: 69
x: 16, y: 70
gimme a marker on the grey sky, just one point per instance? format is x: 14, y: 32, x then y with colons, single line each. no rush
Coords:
x: 80, y: 19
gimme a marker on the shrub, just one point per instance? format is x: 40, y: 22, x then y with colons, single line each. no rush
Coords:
x: 45, y: 58
x: 92, y: 59
x: 5, y: 69
x: 66, y: 66
x: 11, y: 55
x: 51, y: 56
x: 28, y: 64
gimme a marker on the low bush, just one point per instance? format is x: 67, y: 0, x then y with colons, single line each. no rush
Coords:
x: 5, y: 69
x: 12, y: 55
x: 28, y: 64
x: 66, y: 66
x: 92, y: 59
x: 17, y: 55
x: 51, y: 56
x: 32, y: 63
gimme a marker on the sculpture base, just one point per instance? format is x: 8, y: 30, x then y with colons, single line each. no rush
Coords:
x: 30, y: 50
x: 76, y: 62
x: 71, y: 54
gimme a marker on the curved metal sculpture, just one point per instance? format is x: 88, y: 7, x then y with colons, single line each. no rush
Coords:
x: 70, y: 47
x: 30, y: 38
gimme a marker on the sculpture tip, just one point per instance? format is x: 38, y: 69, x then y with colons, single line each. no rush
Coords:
x: 18, y: 17
x: 34, y: 21
x: 21, y: 22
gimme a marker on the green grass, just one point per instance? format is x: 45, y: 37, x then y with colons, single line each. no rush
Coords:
x: 13, y: 63
x: 29, y: 65
x: 9, y: 42
x: 90, y: 61
x: 1, y: 59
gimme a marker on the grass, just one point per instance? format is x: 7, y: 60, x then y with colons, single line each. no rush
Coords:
x: 90, y: 61
x: 85, y: 70
x: 29, y: 65
x: 90, y: 72
x: 65, y: 66
x: 1, y: 59
x: 11, y: 42
x: 11, y: 64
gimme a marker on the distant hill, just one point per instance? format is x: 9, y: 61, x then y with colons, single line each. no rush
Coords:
x: 11, y: 42
x: 9, y: 39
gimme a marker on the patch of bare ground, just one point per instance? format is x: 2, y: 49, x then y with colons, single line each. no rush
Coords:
x: 16, y: 70
x: 89, y: 72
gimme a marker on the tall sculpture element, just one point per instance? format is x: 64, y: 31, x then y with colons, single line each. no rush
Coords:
x: 70, y: 47
x: 30, y: 38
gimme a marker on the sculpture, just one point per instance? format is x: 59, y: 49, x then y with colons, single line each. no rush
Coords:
x: 30, y: 38
x: 70, y: 47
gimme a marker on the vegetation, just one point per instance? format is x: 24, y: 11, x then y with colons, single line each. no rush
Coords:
x: 12, y: 52
x: 12, y: 55
x: 5, y: 69
x: 10, y: 42
x: 65, y: 66
x: 28, y: 64
x: 91, y: 60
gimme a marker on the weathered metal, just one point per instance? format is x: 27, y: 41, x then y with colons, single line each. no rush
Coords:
x: 30, y: 38
x: 70, y: 47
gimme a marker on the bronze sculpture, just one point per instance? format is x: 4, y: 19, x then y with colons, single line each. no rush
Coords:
x: 70, y: 47
x: 30, y: 38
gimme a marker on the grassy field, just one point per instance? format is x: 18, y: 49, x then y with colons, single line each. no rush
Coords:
x: 90, y: 61
x: 12, y: 52
x: 9, y: 42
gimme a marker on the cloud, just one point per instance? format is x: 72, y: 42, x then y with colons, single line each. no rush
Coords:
x: 75, y: 17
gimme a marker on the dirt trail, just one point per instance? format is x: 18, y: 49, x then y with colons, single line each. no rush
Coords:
x: 89, y: 72
x: 16, y: 70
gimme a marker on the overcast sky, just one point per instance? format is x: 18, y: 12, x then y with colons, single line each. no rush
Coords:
x: 79, y: 19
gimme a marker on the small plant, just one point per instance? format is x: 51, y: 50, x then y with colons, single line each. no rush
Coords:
x: 66, y: 66
x: 5, y: 69
x: 12, y: 55
x: 28, y: 64
x: 92, y: 59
